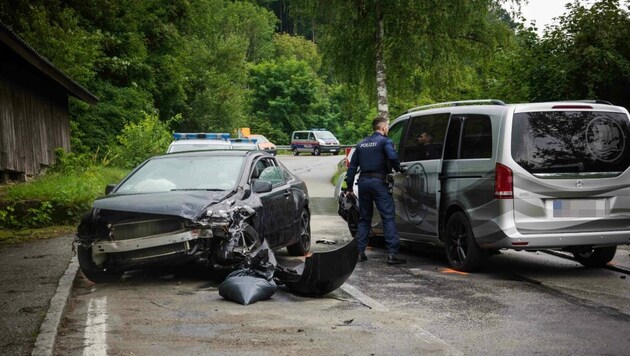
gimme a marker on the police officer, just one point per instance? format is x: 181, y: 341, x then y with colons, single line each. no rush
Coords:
x: 375, y: 157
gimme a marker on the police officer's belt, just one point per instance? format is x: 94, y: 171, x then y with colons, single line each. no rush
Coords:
x: 382, y: 176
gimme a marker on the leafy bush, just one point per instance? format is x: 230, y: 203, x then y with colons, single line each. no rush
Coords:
x: 139, y: 141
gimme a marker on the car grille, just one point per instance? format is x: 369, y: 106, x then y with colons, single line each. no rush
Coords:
x: 128, y: 230
x: 153, y: 252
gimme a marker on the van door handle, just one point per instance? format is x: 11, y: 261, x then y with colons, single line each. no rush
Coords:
x: 287, y: 193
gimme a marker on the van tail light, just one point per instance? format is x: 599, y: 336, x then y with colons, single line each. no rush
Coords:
x: 503, y: 188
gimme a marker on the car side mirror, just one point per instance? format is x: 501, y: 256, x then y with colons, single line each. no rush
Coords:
x: 261, y: 186
x: 109, y: 188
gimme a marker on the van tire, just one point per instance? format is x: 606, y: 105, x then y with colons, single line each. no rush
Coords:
x: 295, y: 151
x: 595, y: 257
x: 461, y: 249
x: 316, y: 151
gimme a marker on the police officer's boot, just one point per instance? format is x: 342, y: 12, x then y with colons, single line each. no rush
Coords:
x: 393, y: 259
x: 362, y: 257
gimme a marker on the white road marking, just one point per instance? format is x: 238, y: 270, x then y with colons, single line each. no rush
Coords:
x: 420, y: 333
x: 95, y: 338
x: 429, y: 338
x: 364, y: 299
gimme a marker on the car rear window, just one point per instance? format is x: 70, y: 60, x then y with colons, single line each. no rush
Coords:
x: 571, y: 142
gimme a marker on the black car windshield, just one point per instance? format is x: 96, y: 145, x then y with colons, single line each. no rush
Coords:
x: 571, y: 142
x: 172, y: 173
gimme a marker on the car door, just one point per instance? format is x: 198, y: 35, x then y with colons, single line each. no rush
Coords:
x: 468, y: 167
x: 278, y: 205
x: 421, y: 154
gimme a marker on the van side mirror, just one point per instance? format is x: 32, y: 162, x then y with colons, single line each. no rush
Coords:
x: 261, y: 186
x: 109, y: 188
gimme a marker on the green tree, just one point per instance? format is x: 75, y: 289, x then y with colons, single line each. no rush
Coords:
x: 411, y: 49
x: 587, y: 55
x: 285, y: 93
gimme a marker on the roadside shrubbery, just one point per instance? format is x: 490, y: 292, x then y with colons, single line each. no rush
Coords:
x: 59, y: 196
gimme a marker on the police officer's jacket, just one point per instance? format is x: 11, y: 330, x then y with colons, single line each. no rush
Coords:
x: 374, y: 155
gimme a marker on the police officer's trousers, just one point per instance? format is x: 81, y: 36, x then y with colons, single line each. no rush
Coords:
x: 374, y: 191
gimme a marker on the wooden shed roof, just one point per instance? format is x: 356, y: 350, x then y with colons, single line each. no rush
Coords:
x: 30, y: 55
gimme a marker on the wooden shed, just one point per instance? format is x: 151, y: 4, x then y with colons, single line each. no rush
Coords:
x: 34, y: 117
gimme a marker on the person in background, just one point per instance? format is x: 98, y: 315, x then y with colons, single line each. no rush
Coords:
x: 375, y: 157
x: 425, y: 140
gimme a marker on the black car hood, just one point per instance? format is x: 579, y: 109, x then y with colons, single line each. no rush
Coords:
x: 186, y: 204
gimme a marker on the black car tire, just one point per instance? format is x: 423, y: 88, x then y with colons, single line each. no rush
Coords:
x: 596, y: 257
x: 461, y: 249
x: 91, y: 271
x: 316, y: 151
x: 303, y: 245
x: 295, y: 151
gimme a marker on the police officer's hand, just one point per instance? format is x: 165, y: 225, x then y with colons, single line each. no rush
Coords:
x: 403, y: 169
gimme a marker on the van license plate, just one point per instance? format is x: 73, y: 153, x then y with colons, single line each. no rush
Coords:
x: 580, y: 208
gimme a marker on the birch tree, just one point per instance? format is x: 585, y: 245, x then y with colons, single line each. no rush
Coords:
x: 413, y: 48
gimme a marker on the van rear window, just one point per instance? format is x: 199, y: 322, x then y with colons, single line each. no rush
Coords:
x: 571, y: 142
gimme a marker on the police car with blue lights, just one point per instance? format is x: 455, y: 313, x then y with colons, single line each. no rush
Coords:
x: 208, y: 141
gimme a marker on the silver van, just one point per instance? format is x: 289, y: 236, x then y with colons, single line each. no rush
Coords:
x: 483, y: 176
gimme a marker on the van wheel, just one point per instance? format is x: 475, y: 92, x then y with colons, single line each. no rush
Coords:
x: 91, y: 271
x: 295, y: 151
x: 595, y: 257
x: 462, y: 251
x: 316, y: 151
x: 303, y: 245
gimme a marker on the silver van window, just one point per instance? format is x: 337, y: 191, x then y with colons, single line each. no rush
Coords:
x: 476, y: 137
x: 571, y: 142
x: 425, y: 137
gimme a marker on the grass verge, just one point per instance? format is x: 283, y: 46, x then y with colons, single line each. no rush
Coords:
x: 8, y: 237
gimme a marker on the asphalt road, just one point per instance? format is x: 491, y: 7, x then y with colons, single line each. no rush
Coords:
x: 29, y: 275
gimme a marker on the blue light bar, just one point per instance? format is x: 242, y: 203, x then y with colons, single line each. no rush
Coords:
x: 243, y: 140
x: 201, y: 135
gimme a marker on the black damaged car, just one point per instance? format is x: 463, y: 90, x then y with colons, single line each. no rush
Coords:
x: 211, y: 207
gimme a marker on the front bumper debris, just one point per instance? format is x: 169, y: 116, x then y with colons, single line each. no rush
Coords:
x: 322, y: 272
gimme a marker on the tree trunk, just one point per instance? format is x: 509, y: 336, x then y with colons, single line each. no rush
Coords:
x: 381, y: 86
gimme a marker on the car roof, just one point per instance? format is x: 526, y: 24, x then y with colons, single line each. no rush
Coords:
x: 221, y: 152
x: 199, y: 142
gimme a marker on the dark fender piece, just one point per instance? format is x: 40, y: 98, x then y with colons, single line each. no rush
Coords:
x: 322, y: 272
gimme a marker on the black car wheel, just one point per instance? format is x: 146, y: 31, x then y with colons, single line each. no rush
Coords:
x: 303, y: 245
x: 462, y: 251
x: 316, y: 151
x: 93, y: 272
x: 295, y: 151
x: 596, y: 257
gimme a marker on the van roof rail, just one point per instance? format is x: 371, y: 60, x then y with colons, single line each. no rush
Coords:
x: 457, y: 103
x: 592, y: 101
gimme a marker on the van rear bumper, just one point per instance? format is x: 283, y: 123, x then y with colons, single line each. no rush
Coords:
x: 559, y: 240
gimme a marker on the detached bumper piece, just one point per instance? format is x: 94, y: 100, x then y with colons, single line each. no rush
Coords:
x: 322, y: 272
